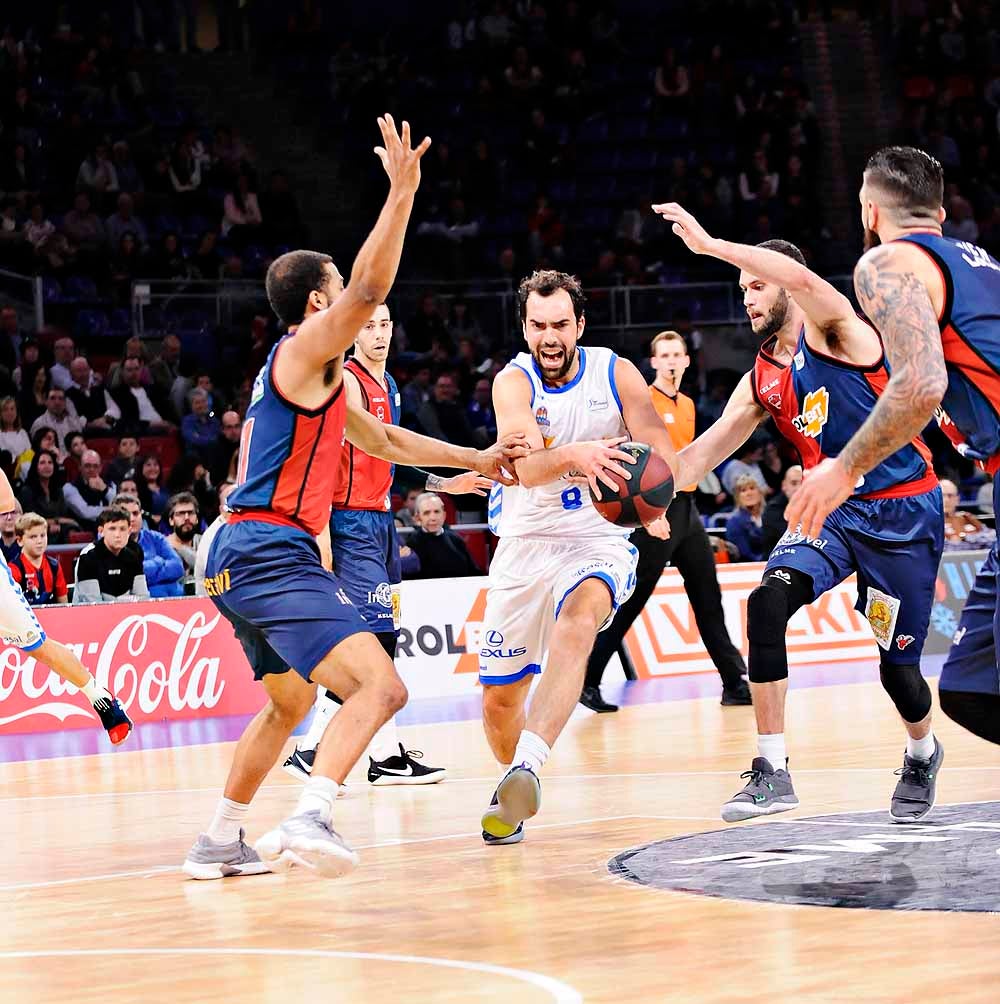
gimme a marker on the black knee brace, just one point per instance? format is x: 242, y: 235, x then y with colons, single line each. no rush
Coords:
x: 387, y: 639
x: 979, y: 713
x: 769, y: 609
x: 908, y: 690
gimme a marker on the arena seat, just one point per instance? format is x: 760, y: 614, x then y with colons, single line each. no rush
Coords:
x: 475, y: 541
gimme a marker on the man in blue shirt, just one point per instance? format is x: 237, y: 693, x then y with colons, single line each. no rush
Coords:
x: 161, y: 565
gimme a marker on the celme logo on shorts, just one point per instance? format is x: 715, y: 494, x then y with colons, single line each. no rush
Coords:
x: 493, y: 648
x: 815, y: 412
x: 382, y: 595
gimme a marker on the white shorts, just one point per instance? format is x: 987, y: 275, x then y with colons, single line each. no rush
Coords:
x: 530, y: 578
x: 19, y: 626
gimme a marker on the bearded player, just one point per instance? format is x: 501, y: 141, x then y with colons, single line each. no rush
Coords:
x: 819, y: 374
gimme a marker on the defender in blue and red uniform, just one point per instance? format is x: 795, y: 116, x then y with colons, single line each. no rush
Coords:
x: 936, y: 302
x: 819, y: 373
x: 365, y: 551
x: 293, y: 618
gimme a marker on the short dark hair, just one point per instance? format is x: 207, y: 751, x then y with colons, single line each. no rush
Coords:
x: 547, y: 281
x: 787, y: 248
x: 914, y: 179
x: 181, y: 498
x: 125, y: 498
x: 113, y: 515
x: 290, y: 279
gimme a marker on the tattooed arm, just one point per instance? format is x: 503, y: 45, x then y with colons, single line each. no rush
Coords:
x: 901, y: 292
x: 892, y: 289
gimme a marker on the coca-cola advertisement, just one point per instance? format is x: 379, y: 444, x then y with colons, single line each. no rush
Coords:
x: 166, y: 659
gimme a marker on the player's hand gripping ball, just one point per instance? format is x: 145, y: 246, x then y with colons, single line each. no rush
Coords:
x: 643, y: 497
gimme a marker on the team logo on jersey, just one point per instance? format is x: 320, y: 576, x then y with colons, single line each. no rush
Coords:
x: 382, y: 595
x: 594, y: 405
x: 903, y: 641
x: 774, y: 400
x: 882, y: 611
x: 799, y: 360
x: 544, y: 427
x: 258, y: 388
x: 815, y: 412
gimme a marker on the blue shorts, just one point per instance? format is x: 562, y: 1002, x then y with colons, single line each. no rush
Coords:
x: 895, y: 547
x: 971, y: 665
x: 287, y: 610
x: 366, y: 560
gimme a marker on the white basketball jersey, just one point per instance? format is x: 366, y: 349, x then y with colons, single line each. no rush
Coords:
x: 585, y: 409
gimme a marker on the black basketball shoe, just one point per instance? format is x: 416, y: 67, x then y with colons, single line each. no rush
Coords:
x: 300, y: 764
x: 737, y: 695
x: 114, y: 719
x: 404, y: 769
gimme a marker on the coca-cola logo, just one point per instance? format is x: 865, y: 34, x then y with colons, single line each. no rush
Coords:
x: 149, y: 673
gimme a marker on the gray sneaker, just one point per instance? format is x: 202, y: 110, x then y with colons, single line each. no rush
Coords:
x: 767, y: 791
x: 914, y: 795
x: 309, y: 841
x: 517, y: 798
x: 209, y: 860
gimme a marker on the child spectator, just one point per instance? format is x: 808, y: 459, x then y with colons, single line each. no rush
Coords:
x: 40, y: 577
x: 111, y: 570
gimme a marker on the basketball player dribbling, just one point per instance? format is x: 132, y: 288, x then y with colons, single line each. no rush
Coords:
x: 561, y: 570
x: 294, y: 620
x: 365, y: 552
x: 19, y: 628
x: 818, y: 374
x: 936, y: 303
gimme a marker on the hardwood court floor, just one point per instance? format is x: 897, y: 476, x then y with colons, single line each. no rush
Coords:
x: 94, y: 908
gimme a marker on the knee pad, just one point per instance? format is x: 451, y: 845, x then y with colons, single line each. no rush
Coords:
x: 975, y: 712
x: 908, y: 690
x: 769, y: 609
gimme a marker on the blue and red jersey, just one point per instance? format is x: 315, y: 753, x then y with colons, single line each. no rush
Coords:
x: 819, y: 402
x: 363, y: 481
x: 289, y: 456
x: 970, y: 337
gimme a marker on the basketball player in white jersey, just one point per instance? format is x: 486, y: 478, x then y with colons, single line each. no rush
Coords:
x: 561, y: 570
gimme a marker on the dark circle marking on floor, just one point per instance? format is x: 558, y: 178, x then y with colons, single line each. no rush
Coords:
x: 857, y: 860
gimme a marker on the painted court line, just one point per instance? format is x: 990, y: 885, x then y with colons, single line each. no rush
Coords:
x: 560, y: 992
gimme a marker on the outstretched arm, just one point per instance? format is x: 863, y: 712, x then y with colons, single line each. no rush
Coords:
x: 823, y: 303
x: 897, y: 287
x: 400, y: 446
x: 7, y: 500
x: 735, y: 426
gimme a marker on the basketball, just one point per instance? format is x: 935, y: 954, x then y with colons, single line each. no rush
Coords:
x: 642, y: 498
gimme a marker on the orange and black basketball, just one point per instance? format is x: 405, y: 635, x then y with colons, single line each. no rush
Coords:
x: 642, y: 498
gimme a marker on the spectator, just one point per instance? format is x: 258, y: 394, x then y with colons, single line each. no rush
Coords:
x: 160, y: 564
x: 111, y: 569
x: 168, y: 261
x: 221, y: 456
x: 87, y: 395
x: 50, y: 246
x: 87, y: 496
x: 442, y: 552
x: 773, y: 523
x: 772, y: 466
x: 201, y: 428
x: 8, y: 532
x: 165, y: 368
x: 83, y: 227
x: 426, y: 326
x: 960, y: 224
x: 406, y: 515
x: 183, y: 517
x: 241, y: 218
x: 152, y: 494
x: 43, y: 493
x: 123, y: 222
x: 132, y: 407
x: 59, y: 415
x: 206, y: 262
x: 74, y: 444
x: 205, y: 544
x: 129, y: 178
x: 481, y: 416
x: 97, y: 173
x: 124, y: 465
x: 671, y: 83
x: 44, y: 439
x: 746, y: 462
x: 13, y: 437
x: 415, y: 394
x: 758, y: 182
x: 10, y: 339
x: 443, y: 417
x: 185, y: 171
x: 961, y: 529
x: 124, y: 266
x: 63, y: 350
x: 33, y: 399
x: 743, y: 528
x: 40, y: 577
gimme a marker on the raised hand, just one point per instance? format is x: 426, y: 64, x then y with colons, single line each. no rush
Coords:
x: 598, y: 461
x: 686, y: 227
x: 400, y: 160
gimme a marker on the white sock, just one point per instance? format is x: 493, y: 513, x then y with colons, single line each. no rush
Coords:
x: 93, y: 692
x: 920, y: 749
x: 229, y: 818
x: 532, y: 750
x: 323, y: 710
x: 772, y: 749
x: 385, y: 742
x: 319, y: 794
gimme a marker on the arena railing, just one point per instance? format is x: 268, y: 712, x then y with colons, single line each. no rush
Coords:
x: 25, y: 293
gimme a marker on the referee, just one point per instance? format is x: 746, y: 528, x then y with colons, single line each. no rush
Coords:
x: 688, y: 548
